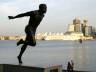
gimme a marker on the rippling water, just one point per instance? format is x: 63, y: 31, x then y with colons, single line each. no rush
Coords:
x: 49, y: 53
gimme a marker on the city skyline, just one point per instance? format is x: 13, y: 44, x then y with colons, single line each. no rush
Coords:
x: 59, y: 15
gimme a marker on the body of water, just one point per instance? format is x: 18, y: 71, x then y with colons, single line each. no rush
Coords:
x: 50, y: 53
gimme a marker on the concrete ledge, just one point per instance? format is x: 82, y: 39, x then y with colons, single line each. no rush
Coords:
x: 18, y: 68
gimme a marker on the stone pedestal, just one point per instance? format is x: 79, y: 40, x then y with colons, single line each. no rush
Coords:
x: 18, y: 68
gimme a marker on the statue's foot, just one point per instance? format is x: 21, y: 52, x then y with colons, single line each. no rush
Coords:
x: 19, y: 60
x: 20, y: 42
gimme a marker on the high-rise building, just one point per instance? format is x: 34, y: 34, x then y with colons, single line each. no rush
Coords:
x: 83, y: 29
x: 84, y: 26
x: 85, y: 22
x: 76, y: 21
x: 94, y: 30
x: 88, y: 31
x: 77, y: 28
x: 77, y: 25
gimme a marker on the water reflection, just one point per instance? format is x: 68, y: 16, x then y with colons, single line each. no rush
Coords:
x: 81, y: 57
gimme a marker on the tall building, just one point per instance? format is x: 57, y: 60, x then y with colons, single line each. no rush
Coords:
x: 84, y: 26
x: 94, y: 30
x: 85, y: 22
x: 76, y: 21
x: 77, y: 28
x: 88, y: 31
x: 77, y: 25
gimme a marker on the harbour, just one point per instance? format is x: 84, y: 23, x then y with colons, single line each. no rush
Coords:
x: 52, y: 53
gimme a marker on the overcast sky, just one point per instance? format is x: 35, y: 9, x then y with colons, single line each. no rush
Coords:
x: 60, y: 13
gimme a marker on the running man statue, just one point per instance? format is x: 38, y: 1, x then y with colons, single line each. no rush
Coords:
x: 36, y: 17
